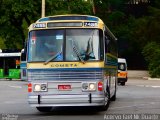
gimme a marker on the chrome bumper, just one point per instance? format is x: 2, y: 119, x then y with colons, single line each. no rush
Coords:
x: 66, y: 100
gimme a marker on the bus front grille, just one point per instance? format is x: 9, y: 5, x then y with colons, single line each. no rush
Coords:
x: 64, y: 74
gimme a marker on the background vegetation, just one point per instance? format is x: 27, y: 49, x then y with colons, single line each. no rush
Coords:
x: 137, y: 26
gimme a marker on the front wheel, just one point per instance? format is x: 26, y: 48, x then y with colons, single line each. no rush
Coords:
x: 44, y: 109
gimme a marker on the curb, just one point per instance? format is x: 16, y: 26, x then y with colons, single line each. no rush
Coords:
x: 11, y: 80
x: 149, y: 78
x: 144, y: 78
x: 153, y: 78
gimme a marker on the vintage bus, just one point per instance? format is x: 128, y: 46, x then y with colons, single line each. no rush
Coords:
x: 23, y: 65
x: 10, y: 64
x: 71, y: 61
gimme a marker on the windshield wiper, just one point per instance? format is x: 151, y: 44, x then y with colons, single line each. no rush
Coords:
x: 89, y: 52
x: 52, y: 58
x: 77, y: 52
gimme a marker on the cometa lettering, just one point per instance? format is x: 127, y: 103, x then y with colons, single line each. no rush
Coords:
x: 64, y: 65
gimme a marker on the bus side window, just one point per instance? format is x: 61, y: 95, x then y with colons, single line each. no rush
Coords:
x: 107, y: 45
x: 112, y: 46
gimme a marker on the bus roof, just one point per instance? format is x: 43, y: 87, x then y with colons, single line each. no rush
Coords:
x: 122, y: 60
x: 69, y: 17
x: 64, y: 21
x: 70, y: 21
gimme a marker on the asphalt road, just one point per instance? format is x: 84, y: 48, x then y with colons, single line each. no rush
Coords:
x: 137, y: 97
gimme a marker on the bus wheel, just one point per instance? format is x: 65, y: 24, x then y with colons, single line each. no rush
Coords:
x: 107, y: 100
x: 123, y: 83
x: 44, y: 109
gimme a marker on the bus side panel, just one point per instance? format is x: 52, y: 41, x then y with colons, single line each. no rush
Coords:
x: 111, y: 70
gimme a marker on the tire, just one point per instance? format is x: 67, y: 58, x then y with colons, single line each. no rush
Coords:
x: 123, y: 83
x: 44, y: 109
x: 105, y: 107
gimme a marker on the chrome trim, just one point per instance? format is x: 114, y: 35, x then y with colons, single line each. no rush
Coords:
x: 66, y: 100
x: 64, y: 75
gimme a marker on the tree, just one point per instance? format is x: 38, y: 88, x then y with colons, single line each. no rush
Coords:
x: 16, y: 16
x: 151, y: 53
x: 68, y: 7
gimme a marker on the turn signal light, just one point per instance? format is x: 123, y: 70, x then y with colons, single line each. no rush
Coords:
x: 122, y: 74
x: 29, y: 87
x: 100, y: 86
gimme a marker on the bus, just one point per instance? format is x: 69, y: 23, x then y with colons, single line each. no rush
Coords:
x: 10, y: 64
x: 23, y: 65
x: 71, y: 61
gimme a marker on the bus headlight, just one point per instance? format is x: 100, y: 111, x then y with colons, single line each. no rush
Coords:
x: 37, y: 87
x: 84, y: 86
x: 40, y: 87
x: 43, y: 87
x: 92, y: 86
x: 87, y: 86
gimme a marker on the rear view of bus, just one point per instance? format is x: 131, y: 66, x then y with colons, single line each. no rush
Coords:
x: 122, y: 71
x: 67, y: 62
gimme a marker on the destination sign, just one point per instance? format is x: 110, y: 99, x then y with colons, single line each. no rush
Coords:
x: 39, y: 25
x: 65, y: 24
x: 90, y: 24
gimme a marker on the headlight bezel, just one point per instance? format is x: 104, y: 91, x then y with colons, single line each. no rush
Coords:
x: 40, y: 87
x: 89, y: 86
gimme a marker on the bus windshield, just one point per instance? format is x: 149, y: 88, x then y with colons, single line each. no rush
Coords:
x: 121, y: 66
x: 64, y: 45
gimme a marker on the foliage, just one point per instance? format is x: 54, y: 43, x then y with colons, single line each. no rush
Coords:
x: 16, y: 15
x: 151, y: 53
x: 55, y: 7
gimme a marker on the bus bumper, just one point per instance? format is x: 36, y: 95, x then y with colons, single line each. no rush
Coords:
x: 66, y: 100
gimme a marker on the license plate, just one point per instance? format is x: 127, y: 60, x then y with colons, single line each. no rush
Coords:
x: 64, y: 87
